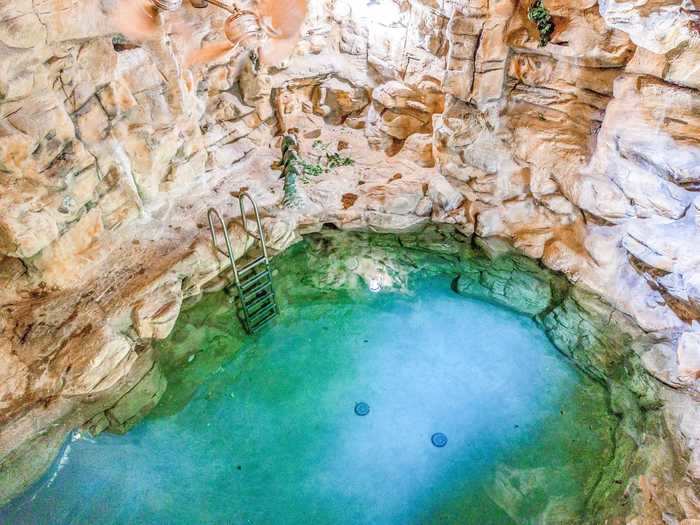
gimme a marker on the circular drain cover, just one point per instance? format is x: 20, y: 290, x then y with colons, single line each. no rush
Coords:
x: 361, y: 408
x: 439, y: 439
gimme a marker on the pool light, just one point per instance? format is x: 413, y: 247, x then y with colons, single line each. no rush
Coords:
x: 438, y: 439
x: 361, y: 408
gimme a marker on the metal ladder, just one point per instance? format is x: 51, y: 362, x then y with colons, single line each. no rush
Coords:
x: 255, y: 298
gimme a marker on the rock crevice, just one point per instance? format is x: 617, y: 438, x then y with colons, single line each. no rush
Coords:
x: 582, y: 153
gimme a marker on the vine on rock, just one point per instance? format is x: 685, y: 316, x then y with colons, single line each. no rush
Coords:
x: 543, y: 20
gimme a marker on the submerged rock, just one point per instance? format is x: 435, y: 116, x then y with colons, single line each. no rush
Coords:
x: 137, y: 402
x: 511, y: 280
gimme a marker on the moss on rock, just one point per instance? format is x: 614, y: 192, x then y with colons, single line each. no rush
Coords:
x: 137, y: 402
x: 511, y: 280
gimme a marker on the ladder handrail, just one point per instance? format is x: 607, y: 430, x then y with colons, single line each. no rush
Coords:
x: 229, y: 248
x: 213, y: 213
x: 227, y: 239
x: 244, y: 220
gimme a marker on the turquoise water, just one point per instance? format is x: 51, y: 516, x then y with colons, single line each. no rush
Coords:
x: 262, y: 430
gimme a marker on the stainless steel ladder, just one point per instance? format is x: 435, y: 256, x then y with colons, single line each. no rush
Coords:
x: 255, y: 298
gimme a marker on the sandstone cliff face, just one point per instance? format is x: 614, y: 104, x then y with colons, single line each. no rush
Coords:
x: 584, y: 153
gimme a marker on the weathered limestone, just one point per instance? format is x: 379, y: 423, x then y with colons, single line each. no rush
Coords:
x: 583, y: 153
x: 137, y: 402
x: 399, y: 111
x: 689, y: 355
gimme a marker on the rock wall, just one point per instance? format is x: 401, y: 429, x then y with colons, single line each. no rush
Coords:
x: 584, y: 153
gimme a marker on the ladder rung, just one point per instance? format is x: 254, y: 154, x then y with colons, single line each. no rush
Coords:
x: 251, y: 265
x: 263, y: 306
x: 263, y: 322
x: 258, y: 302
x: 257, y: 315
x: 256, y: 305
x: 253, y: 280
x: 255, y: 291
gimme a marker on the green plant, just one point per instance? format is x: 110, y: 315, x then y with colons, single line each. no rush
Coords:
x: 311, y: 169
x: 543, y: 20
x: 306, y: 169
x: 333, y: 160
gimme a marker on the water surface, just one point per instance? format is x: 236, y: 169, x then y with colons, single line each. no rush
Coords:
x: 262, y: 430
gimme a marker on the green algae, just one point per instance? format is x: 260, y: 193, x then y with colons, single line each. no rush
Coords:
x: 137, y: 402
x: 511, y: 280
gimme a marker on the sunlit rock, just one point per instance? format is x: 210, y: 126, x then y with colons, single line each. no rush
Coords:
x: 689, y: 355
x: 581, y: 151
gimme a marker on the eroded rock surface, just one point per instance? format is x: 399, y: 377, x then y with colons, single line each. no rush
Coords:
x: 583, y: 153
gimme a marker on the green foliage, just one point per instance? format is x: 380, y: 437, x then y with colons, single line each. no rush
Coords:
x: 312, y: 170
x: 332, y: 160
x: 545, y: 24
x: 294, y: 166
x: 336, y: 159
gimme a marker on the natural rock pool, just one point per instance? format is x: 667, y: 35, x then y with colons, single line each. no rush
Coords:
x: 263, y: 429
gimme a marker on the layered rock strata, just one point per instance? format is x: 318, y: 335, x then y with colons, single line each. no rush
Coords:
x: 583, y: 153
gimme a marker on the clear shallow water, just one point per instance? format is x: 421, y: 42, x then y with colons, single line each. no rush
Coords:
x: 270, y: 436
